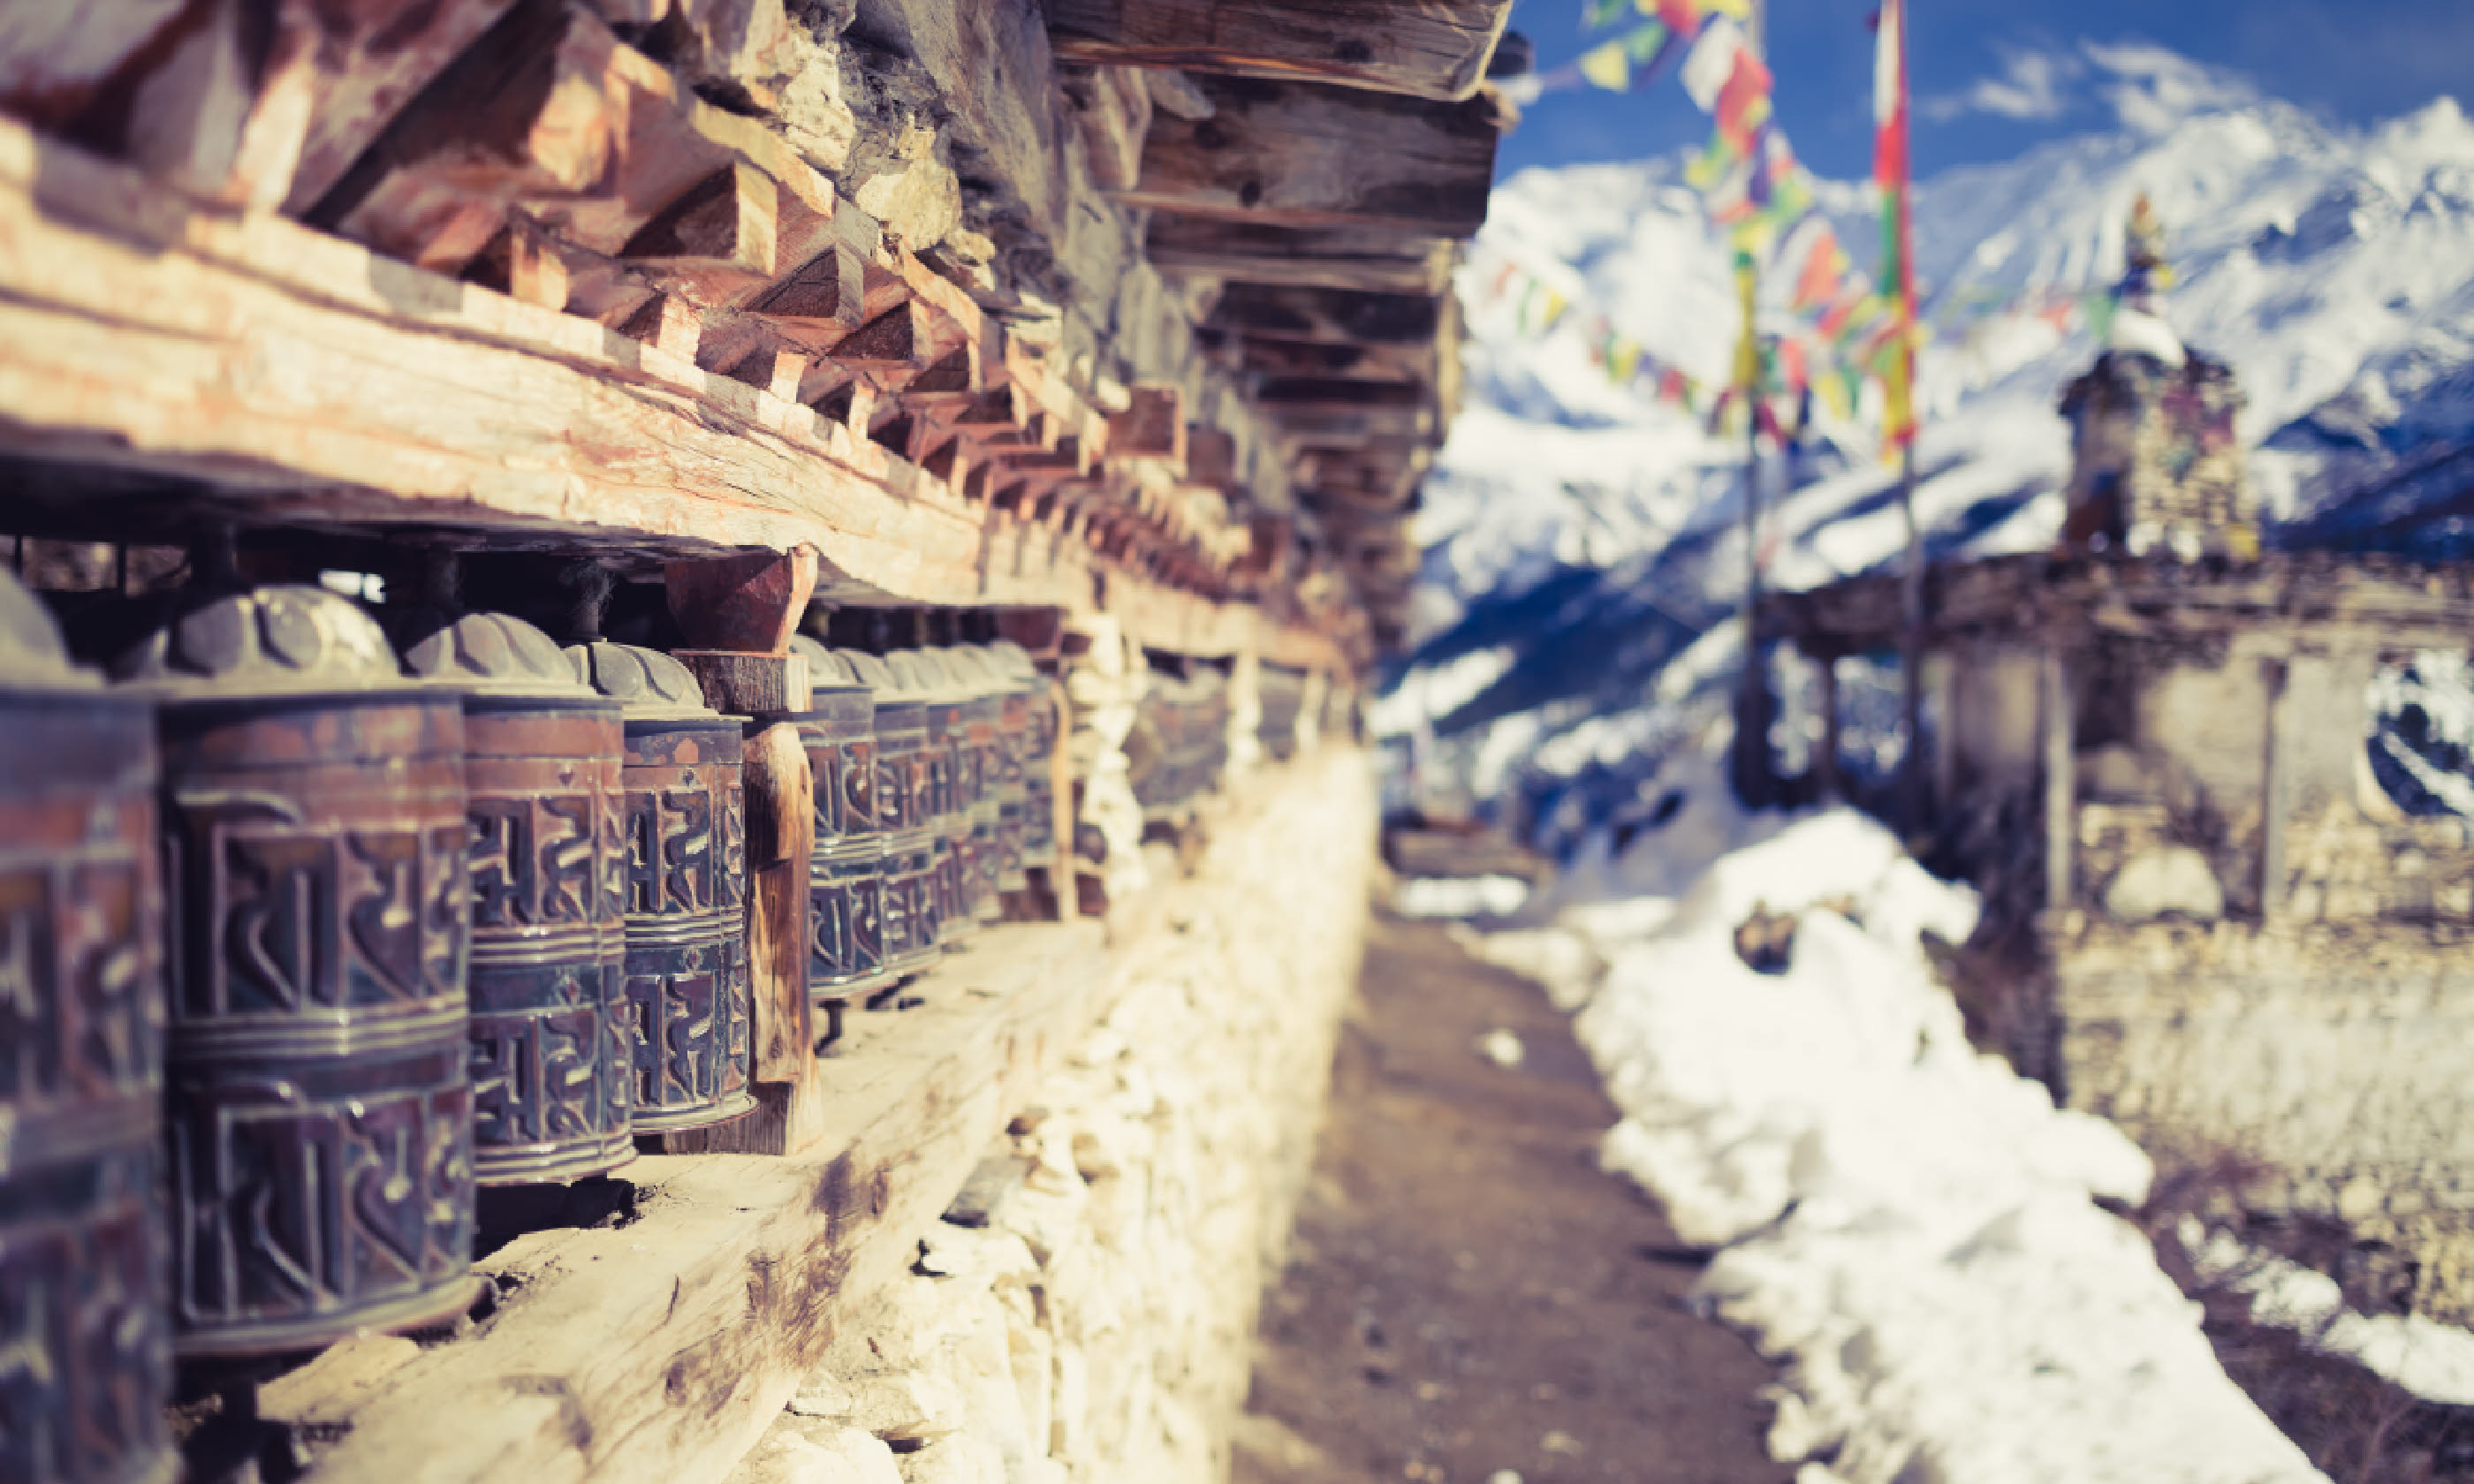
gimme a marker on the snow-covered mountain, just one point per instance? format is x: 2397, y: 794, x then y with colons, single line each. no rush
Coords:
x: 1583, y: 548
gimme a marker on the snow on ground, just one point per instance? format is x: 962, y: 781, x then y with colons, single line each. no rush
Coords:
x: 1908, y: 1224
x: 2432, y: 1360
x: 1459, y: 896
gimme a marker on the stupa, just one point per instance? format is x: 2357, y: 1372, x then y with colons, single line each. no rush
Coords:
x: 2155, y: 466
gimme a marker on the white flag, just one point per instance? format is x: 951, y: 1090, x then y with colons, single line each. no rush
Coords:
x: 1712, y: 60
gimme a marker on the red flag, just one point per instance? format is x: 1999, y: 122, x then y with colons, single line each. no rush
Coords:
x: 1681, y: 16
x: 1890, y: 171
x: 1744, y: 101
x: 1818, y: 283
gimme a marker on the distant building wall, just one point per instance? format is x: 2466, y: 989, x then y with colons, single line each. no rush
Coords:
x: 2251, y: 949
x: 2305, y: 1003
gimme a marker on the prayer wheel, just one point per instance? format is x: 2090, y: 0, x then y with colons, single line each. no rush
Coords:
x: 1206, y: 730
x: 1010, y: 785
x: 1284, y: 696
x: 683, y: 890
x: 1039, y: 753
x: 318, y: 1110
x: 845, y: 869
x: 553, y: 1053
x: 906, y: 815
x: 1153, y: 747
x: 947, y: 745
x: 983, y: 689
x: 83, y: 1258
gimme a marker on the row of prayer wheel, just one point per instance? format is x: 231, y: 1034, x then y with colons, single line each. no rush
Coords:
x: 311, y: 924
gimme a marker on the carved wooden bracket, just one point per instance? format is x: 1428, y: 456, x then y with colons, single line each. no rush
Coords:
x: 750, y: 603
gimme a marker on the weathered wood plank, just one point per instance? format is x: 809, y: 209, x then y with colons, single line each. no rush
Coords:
x: 660, y: 1349
x: 1299, y: 154
x: 370, y: 58
x: 1113, y: 110
x: 316, y: 382
x: 548, y: 109
x: 1429, y: 48
x: 1329, y: 316
x: 1327, y: 257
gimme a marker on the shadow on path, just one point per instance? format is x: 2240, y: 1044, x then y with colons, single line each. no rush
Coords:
x: 1468, y: 1292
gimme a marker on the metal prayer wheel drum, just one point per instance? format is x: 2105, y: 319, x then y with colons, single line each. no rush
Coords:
x: 906, y: 815
x: 1284, y: 695
x: 683, y: 890
x: 82, y: 1257
x: 1037, y: 755
x: 1010, y: 781
x: 319, y: 1115
x: 845, y: 869
x: 948, y: 813
x: 985, y: 687
x: 1154, y: 745
x: 552, y: 1053
x: 1209, y: 733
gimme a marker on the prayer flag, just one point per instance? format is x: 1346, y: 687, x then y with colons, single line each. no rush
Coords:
x: 1712, y: 62
x: 1890, y: 171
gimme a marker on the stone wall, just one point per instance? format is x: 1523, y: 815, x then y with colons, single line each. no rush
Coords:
x: 2304, y: 1008
x: 2333, y: 1058
x: 1086, y: 1310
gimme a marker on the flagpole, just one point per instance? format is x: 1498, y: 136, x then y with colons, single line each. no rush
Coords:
x: 1911, y: 648
x: 1913, y: 776
x: 1752, y: 687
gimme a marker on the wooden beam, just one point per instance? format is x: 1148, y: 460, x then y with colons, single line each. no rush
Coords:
x: 371, y: 60
x: 306, y: 380
x: 1113, y: 110
x: 1298, y: 154
x: 548, y: 109
x: 1153, y: 426
x: 1428, y: 48
x: 1324, y: 257
x: 750, y: 603
x: 716, y: 245
x: 1329, y: 316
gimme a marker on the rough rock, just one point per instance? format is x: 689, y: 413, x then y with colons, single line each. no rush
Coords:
x: 818, y: 1454
x: 1095, y: 1329
x: 962, y: 1459
x: 2172, y: 878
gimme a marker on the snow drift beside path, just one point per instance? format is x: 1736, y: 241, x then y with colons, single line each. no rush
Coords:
x: 1909, y: 1224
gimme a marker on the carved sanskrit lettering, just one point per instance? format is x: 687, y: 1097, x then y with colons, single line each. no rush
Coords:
x: 301, y: 1202
x: 505, y: 889
x: 84, y: 1354
x: 857, y: 783
x: 673, y: 1006
x: 730, y: 862
x: 320, y: 918
x: 568, y: 865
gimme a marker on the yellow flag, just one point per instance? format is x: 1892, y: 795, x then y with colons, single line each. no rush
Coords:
x: 1748, y: 350
x: 1898, y: 409
x: 1833, y: 396
x: 1609, y: 66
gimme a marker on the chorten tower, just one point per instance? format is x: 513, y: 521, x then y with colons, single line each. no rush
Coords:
x: 2155, y: 466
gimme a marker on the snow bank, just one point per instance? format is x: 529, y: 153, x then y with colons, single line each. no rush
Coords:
x: 2431, y: 1360
x: 1459, y: 896
x: 1909, y: 1226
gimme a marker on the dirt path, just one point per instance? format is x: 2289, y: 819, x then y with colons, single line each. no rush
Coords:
x: 1468, y: 1294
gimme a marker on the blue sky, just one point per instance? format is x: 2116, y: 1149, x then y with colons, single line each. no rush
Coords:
x: 1993, y: 77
